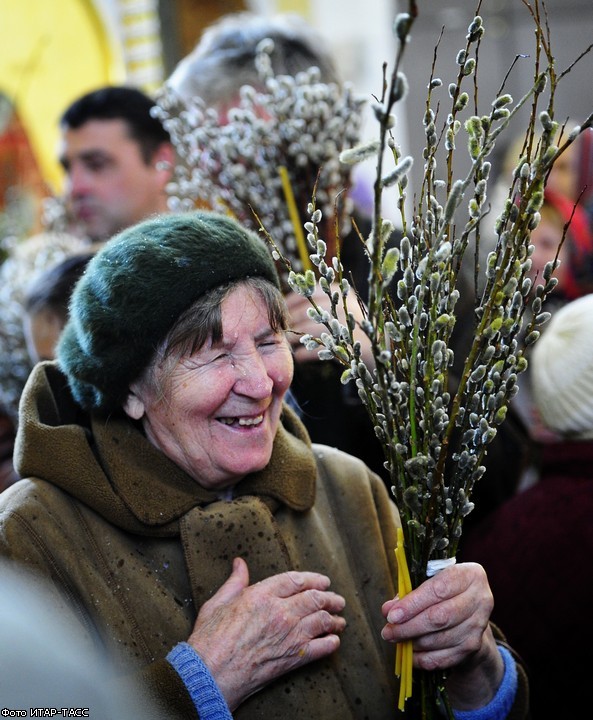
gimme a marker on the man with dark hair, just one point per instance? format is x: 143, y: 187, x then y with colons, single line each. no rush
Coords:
x: 117, y: 158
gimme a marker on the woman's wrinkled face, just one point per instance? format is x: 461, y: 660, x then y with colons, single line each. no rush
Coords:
x: 220, y: 409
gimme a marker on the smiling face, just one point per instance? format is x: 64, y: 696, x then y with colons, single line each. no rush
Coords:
x: 218, y: 409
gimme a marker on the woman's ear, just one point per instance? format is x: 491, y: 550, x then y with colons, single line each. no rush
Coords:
x: 133, y: 406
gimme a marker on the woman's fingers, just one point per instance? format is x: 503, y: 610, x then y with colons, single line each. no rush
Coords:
x: 447, y: 620
x: 248, y: 635
x: 448, y: 612
x: 292, y: 582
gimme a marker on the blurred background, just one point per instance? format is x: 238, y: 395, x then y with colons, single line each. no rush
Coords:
x: 53, y: 52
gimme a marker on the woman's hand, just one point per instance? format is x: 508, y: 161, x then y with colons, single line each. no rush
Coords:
x: 248, y: 635
x: 447, y: 618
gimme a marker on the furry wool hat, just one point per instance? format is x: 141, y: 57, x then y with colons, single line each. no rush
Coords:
x: 135, y: 289
x: 562, y: 370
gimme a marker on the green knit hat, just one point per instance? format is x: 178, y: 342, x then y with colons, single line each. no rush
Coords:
x: 136, y: 288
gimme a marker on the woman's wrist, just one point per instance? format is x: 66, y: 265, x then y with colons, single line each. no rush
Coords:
x: 473, y: 683
x: 500, y: 705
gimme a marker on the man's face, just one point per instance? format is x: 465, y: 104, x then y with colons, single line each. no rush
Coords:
x: 109, y: 186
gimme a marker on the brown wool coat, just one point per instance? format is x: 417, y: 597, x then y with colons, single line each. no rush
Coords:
x: 137, y: 546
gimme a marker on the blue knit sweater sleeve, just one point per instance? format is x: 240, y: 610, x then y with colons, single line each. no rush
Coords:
x: 500, y: 705
x: 200, y: 684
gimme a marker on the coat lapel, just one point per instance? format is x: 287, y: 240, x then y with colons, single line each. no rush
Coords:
x: 214, y: 535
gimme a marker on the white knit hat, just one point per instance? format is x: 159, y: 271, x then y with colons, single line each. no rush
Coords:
x: 562, y: 370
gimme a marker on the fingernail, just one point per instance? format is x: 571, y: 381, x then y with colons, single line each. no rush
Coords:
x: 395, y: 616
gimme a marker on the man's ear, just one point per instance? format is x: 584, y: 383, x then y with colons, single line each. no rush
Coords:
x: 133, y: 406
x: 164, y: 160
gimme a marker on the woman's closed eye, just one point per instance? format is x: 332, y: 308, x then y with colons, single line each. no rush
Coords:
x: 270, y: 343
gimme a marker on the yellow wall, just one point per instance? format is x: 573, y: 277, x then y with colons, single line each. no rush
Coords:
x: 52, y: 52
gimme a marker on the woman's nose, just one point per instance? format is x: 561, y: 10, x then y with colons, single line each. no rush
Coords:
x: 252, y: 378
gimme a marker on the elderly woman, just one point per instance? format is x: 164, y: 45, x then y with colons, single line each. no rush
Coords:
x: 177, y: 504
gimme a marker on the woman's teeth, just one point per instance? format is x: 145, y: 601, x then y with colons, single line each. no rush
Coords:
x: 243, y: 420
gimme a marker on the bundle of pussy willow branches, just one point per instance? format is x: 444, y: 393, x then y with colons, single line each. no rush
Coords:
x: 435, y: 433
